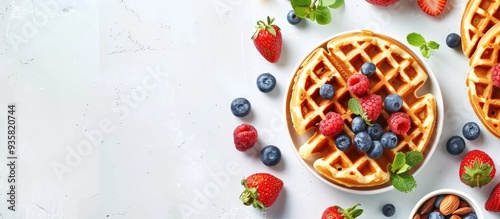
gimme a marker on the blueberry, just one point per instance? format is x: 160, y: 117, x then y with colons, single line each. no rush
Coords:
x: 455, y: 145
x: 453, y: 40
x: 376, y: 150
x: 362, y: 141
x: 270, y: 155
x: 471, y: 131
x: 375, y: 131
x: 292, y: 18
x: 388, y: 210
x: 326, y: 91
x: 389, y: 140
x: 393, y: 102
x: 343, y: 141
x: 368, y: 68
x: 240, y: 107
x: 439, y: 198
x: 266, y: 82
x: 471, y: 215
x: 435, y: 215
x: 358, y: 124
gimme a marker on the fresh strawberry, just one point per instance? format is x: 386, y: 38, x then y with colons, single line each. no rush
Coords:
x: 267, y: 40
x: 261, y: 190
x: 432, y: 7
x: 382, y: 3
x: 493, y: 202
x: 336, y: 212
x: 477, y: 168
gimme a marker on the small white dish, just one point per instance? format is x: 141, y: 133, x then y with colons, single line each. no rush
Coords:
x: 473, y: 204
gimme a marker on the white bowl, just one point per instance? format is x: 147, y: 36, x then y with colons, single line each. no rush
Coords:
x: 458, y: 193
x: 431, y: 86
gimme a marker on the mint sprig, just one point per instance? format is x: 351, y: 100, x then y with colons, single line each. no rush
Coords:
x: 426, y: 47
x: 355, y: 107
x: 402, y: 163
x: 316, y: 10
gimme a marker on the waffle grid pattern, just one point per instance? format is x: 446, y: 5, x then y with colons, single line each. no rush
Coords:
x: 478, y: 18
x: 398, y: 71
x: 483, y: 95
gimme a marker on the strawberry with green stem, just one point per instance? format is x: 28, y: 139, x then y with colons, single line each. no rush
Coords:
x: 336, y: 212
x: 261, y: 190
x: 477, y: 169
x: 268, y: 40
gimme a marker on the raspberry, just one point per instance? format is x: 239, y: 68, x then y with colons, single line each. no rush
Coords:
x: 399, y: 123
x: 372, y: 106
x: 495, y: 75
x: 245, y: 136
x: 358, y: 84
x: 332, y: 125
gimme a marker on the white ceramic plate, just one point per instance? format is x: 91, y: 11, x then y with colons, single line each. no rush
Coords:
x: 431, y: 86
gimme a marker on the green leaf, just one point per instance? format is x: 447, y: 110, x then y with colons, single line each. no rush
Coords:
x: 415, y: 39
x: 404, y: 182
x: 337, y: 4
x: 398, y: 162
x: 355, y: 106
x: 403, y: 169
x: 433, y: 44
x: 413, y: 158
x: 323, y: 15
x: 301, y: 11
x: 300, y: 3
x: 426, y: 52
x: 312, y: 15
x: 326, y: 2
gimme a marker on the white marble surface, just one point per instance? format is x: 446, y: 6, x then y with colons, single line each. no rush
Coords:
x: 123, y: 107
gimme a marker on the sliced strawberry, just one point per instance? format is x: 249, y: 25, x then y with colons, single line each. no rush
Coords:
x: 432, y: 7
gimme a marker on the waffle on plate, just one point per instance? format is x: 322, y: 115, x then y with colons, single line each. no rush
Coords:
x: 477, y: 19
x: 398, y: 71
x: 483, y: 95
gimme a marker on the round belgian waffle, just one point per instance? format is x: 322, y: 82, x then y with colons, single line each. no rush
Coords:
x: 478, y: 17
x: 483, y: 95
x: 398, y: 71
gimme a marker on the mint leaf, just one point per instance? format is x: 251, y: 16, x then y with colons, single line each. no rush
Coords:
x: 312, y: 15
x: 433, y: 44
x: 400, y: 178
x: 316, y: 10
x: 301, y: 11
x: 415, y: 39
x: 326, y: 2
x: 398, y: 162
x: 323, y: 15
x: 418, y: 40
x: 337, y: 4
x: 404, y: 182
x: 355, y: 106
x: 300, y: 3
x: 426, y: 52
x: 413, y: 158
